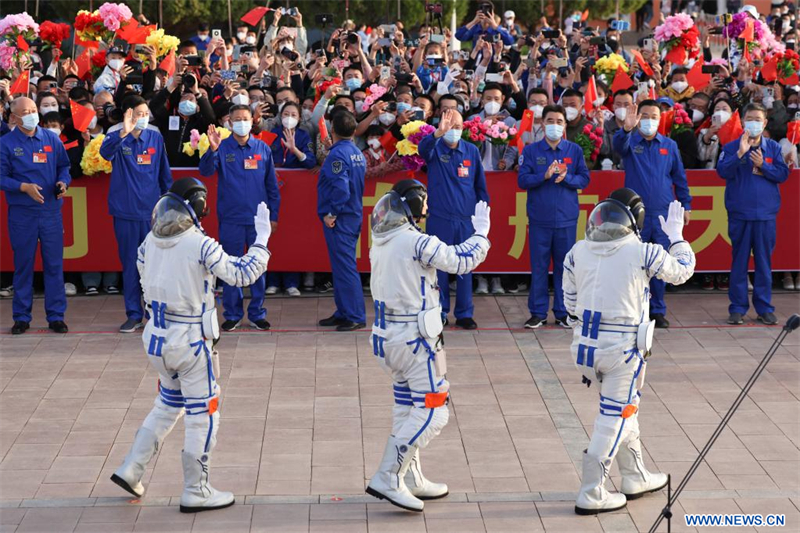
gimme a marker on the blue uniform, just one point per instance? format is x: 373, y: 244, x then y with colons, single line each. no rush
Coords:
x: 284, y: 158
x: 340, y: 192
x: 456, y: 182
x: 40, y: 159
x: 246, y: 177
x: 140, y: 175
x: 654, y: 170
x: 466, y: 34
x: 552, y: 216
x: 752, y: 199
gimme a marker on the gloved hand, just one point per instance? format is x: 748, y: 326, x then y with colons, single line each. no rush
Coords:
x: 480, y: 220
x: 263, y: 226
x: 673, y: 226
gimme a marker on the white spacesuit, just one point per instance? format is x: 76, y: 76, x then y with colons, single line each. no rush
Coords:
x: 179, y: 266
x: 406, y: 334
x: 606, y: 287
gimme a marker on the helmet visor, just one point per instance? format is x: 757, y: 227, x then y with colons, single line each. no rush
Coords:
x: 389, y: 214
x: 609, y: 221
x: 170, y: 217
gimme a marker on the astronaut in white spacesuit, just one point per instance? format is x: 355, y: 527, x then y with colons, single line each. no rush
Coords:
x: 406, y: 334
x: 179, y: 266
x: 606, y: 290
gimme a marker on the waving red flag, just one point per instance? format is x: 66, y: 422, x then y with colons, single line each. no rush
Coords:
x: 84, y: 62
x: 590, y: 96
x: 621, y: 81
x: 168, y: 64
x: 731, y: 130
x: 255, y: 15
x: 22, y: 44
x: 696, y: 78
x: 526, y: 124
x: 644, y: 65
x: 21, y: 84
x: 81, y: 116
x: 388, y: 142
x: 268, y: 137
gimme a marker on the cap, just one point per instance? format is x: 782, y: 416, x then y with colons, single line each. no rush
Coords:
x: 509, y: 14
x: 117, y: 49
x: 751, y: 10
x: 666, y: 100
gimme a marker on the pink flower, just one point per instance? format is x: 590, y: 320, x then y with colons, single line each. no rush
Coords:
x: 474, y: 129
x: 194, y: 138
x: 504, y: 136
x: 481, y: 137
x: 114, y: 14
x: 512, y: 131
x: 7, y: 56
x: 18, y: 23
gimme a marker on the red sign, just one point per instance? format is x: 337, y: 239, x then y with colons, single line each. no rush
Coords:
x: 298, y: 244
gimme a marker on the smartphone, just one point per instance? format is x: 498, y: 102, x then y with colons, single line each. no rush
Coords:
x: 388, y: 29
x: 497, y: 38
x: 216, y: 34
x: 439, y: 39
x: 192, y: 61
x: 419, y: 114
x: 621, y: 25
x: 291, y: 11
x: 385, y: 72
x: 710, y: 69
x: 469, y: 74
x: 391, y: 107
x: 140, y: 49
x: 237, y: 48
x: 227, y: 74
x: 384, y: 42
x: 551, y: 34
x: 715, y: 120
x: 597, y: 41
x: 767, y: 92
x: 643, y: 87
x: 560, y: 62
x: 494, y: 78
x: 649, y: 44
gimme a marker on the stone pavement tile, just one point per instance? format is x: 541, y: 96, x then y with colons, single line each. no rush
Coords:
x: 290, y: 418
x: 750, y: 482
x: 535, y: 451
x: 339, y: 511
x: 336, y: 407
x: 45, y: 432
x: 11, y: 517
x: 386, y: 518
x: 455, y: 525
x: 293, y: 518
x: 733, y: 461
x: 645, y: 511
x: 504, y: 517
x: 232, y: 519
x: 617, y: 523
x: 488, y: 465
x: 561, y: 517
x: 88, y: 443
x: 703, y: 479
x: 106, y: 515
x: 336, y: 480
x: 43, y: 520
x: 670, y: 448
x: 766, y: 506
x: 49, y: 491
x: 552, y: 477
x: 443, y: 510
x: 72, y: 469
x: 700, y: 433
x: 340, y: 526
x: 693, y: 412
x: 531, y: 427
x: 487, y: 440
x: 16, y: 484
x: 337, y: 429
x: 771, y: 448
x: 99, y: 419
x: 290, y: 441
x: 238, y: 480
x: 781, y: 411
x: 337, y: 453
x: 752, y: 423
x: 30, y: 457
x: 785, y: 474
x: 285, y: 467
x: 104, y: 528
x: 68, y: 408
x: 283, y: 487
x: 501, y: 484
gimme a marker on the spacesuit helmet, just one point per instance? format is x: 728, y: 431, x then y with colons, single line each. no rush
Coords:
x: 414, y: 195
x: 179, y: 209
x: 616, y: 217
x: 194, y: 193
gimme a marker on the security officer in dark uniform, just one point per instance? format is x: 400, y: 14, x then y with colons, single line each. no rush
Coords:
x: 34, y: 174
x: 456, y: 182
x: 340, y: 191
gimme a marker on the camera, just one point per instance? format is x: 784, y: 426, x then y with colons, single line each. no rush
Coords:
x: 189, y: 81
x: 403, y: 77
x: 434, y: 9
x: 597, y: 41
x: 192, y: 61
x: 135, y: 77
x: 486, y: 9
x: 291, y: 11
x: 113, y: 113
x: 291, y: 55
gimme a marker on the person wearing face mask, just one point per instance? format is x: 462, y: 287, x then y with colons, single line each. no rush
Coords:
x: 678, y: 89
x: 47, y: 103
x: 300, y: 42
x: 110, y: 78
x: 456, y: 183
x: 246, y: 177
x: 537, y: 101
x: 552, y: 171
x: 203, y: 36
x: 34, y: 175
x: 654, y: 169
x: 295, y: 149
x: 140, y: 175
x: 353, y: 79
x: 719, y: 126
x: 241, y: 33
x: 622, y: 105
x: 752, y: 167
x: 572, y: 101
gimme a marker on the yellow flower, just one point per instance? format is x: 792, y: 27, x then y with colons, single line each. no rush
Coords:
x: 611, y: 63
x: 163, y: 44
x: 187, y: 149
x: 411, y: 128
x: 91, y: 161
x: 406, y: 147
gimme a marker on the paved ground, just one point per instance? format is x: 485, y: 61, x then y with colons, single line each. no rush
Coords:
x: 305, y: 414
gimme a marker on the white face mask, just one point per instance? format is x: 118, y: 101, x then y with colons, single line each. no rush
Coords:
x: 289, y: 123
x: 241, y: 36
x: 599, y: 102
x: 697, y: 115
x: 375, y: 144
x: 250, y: 39
x: 537, y: 110
x: 722, y: 116
x: 491, y: 108
x: 307, y: 114
x: 241, y: 99
x: 679, y: 86
x: 572, y: 113
x: 227, y: 125
x: 387, y: 118
x: 93, y: 123
x: 48, y: 109
x: 115, y: 64
x: 621, y: 113
x: 57, y: 131
x: 242, y: 127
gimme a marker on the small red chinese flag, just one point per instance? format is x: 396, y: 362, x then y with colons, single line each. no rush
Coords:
x: 125, y: 31
x: 584, y: 15
x: 84, y: 63
x: 86, y: 44
x: 667, y: 118
x: 255, y: 15
x: 268, y: 137
x: 770, y: 69
x: 389, y: 142
x: 526, y: 124
x: 621, y: 81
x: 21, y: 84
x: 168, y: 64
x: 644, y: 65
x: 590, y: 96
x: 747, y: 35
x: 70, y: 146
x: 81, y: 116
x: 140, y: 35
x: 323, y: 129
x: 793, y: 131
x: 696, y: 78
x: 731, y: 130
x: 22, y: 44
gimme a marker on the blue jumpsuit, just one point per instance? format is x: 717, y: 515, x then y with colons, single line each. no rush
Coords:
x: 140, y: 175
x: 456, y: 182
x: 246, y: 177
x: 340, y: 192
x: 654, y: 170
x: 552, y: 217
x: 752, y: 199
x: 40, y: 159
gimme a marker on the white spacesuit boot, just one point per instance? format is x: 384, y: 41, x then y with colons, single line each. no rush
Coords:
x: 388, y: 482
x: 198, y: 495
x: 636, y: 480
x: 593, y: 498
x: 421, y: 487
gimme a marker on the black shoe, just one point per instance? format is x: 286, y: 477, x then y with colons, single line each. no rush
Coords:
x: 322, y: 288
x: 768, y: 318
x: 58, y: 326
x: 20, y: 327
x: 350, y: 326
x: 332, y: 320
x: 260, y: 325
x: 466, y: 323
x: 534, y: 322
x: 661, y: 322
x: 735, y: 319
x: 445, y: 322
x: 563, y: 322
x: 230, y: 325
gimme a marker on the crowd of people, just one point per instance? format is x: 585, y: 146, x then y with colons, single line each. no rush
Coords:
x: 558, y: 100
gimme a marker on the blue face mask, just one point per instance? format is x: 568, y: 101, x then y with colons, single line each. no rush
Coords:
x: 553, y: 132
x: 187, y: 108
x: 648, y: 127
x: 30, y: 121
x: 353, y: 84
x: 142, y: 123
x: 452, y: 136
x: 512, y: 104
x: 242, y: 127
x: 754, y: 128
x: 402, y: 107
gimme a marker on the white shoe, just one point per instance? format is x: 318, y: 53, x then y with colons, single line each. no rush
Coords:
x: 497, y: 286
x: 749, y: 284
x: 198, y: 495
x: 788, y: 282
x: 593, y: 498
x: 271, y: 290
x: 5, y: 292
x: 293, y: 291
x: 388, y: 482
x: 70, y: 289
x: 421, y: 487
x: 636, y: 480
x: 129, y: 475
x: 483, y: 286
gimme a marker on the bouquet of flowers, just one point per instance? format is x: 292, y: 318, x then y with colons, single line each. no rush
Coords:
x: 200, y: 142
x: 679, y: 38
x: 788, y: 64
x: 763, y: 39
x: 374, y: 92
x: 113, y: 15
x: 53, y: 33
x: 680, y: 121
x: 590, y: 140
x: 92, y: 162
x: 98, y: 63
x: 408, y: 149
x: 90, y: 27
x: 11, y: 28
x: 322, y: 87
x: 476, y: 131
x: 606, y: 67
x: 162, y: 43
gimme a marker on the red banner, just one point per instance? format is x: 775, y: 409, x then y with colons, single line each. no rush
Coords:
x: 298, y: 244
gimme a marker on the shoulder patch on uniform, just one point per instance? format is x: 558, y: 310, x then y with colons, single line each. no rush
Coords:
x: 336, y: 167
x: 521, y: 159
x: 721, y: 155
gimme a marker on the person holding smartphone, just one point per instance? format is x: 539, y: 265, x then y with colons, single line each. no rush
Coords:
x: 484, y: 24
